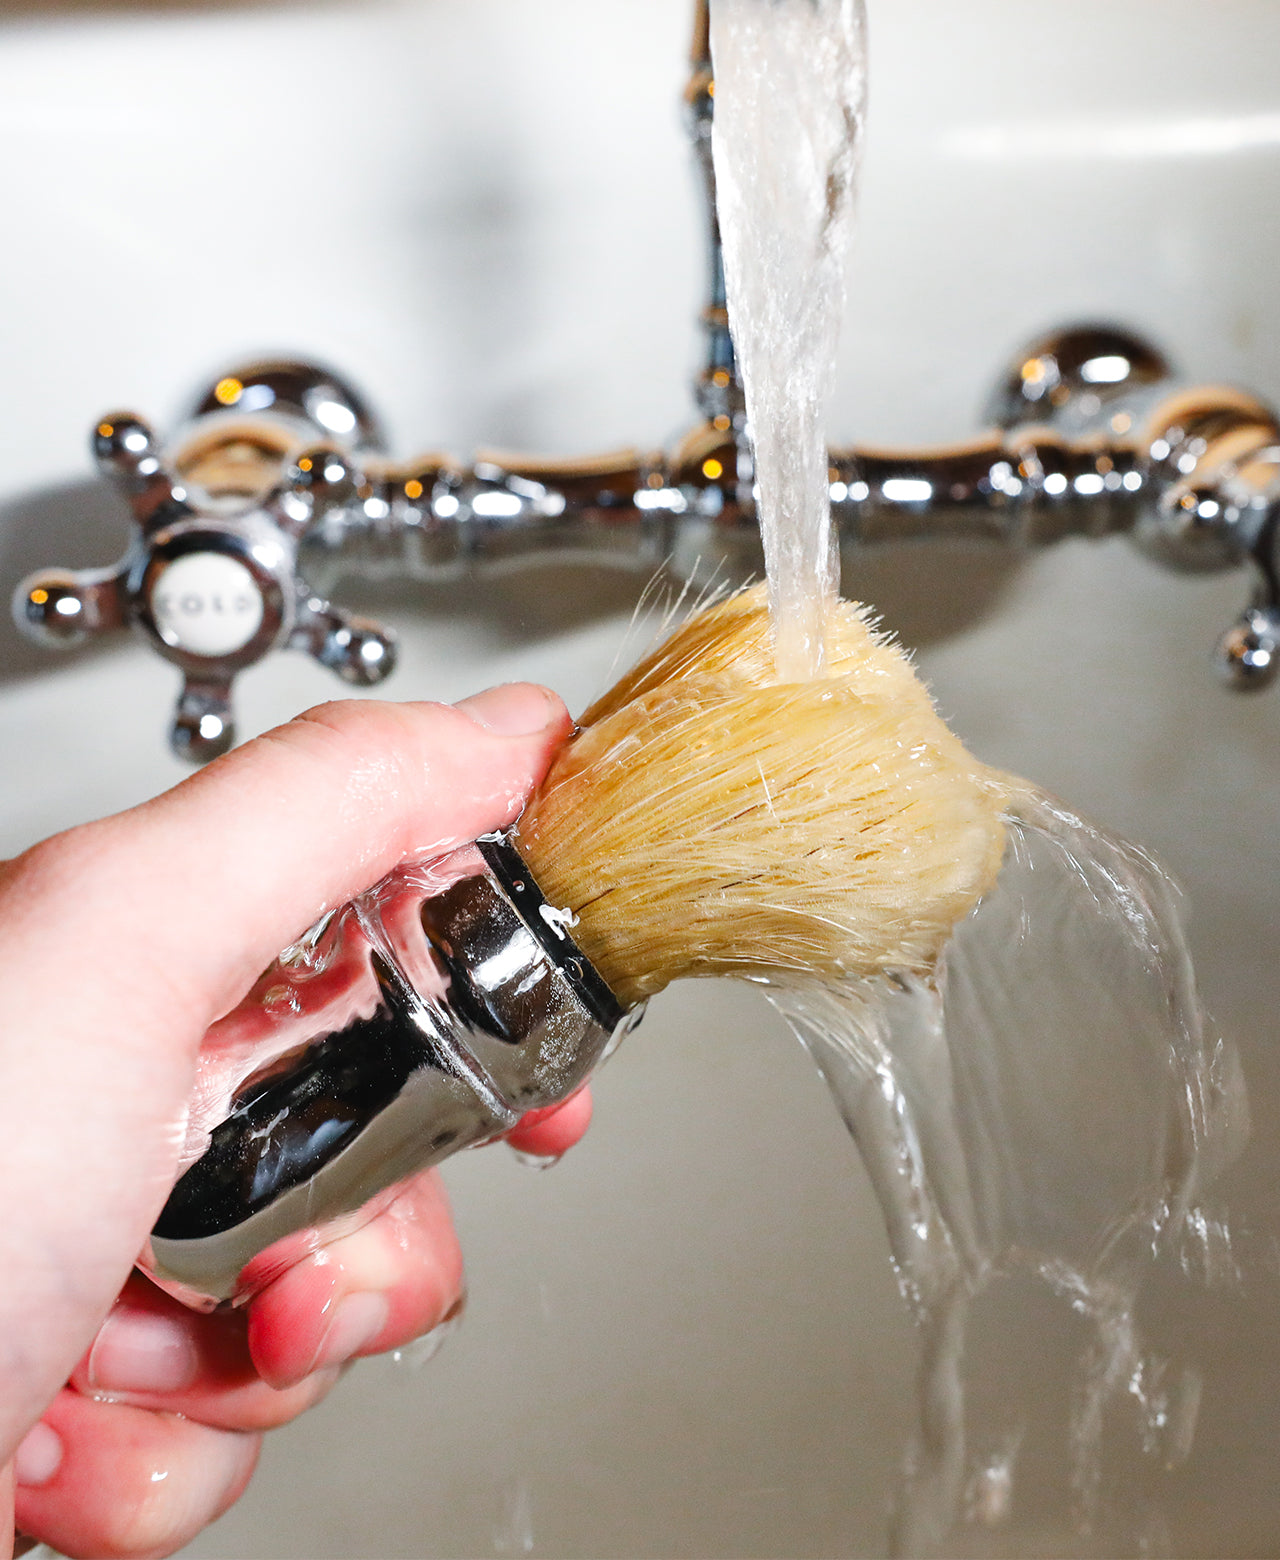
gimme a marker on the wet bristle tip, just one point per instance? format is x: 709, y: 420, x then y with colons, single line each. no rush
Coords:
x: 708, y: 820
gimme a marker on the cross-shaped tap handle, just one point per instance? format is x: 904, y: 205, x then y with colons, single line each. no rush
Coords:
x: 211, y: 577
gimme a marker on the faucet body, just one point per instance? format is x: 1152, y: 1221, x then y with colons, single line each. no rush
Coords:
x: 251, y: 518
x: 277, y: 485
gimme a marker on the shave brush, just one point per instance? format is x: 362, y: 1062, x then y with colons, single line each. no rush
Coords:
x: 708, y: 820
x: 705, y: 819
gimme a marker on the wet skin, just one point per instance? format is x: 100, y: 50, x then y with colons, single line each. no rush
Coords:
x: 127, y: 1422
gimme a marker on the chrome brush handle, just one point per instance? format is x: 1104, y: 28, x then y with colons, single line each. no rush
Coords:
x: 429, y: 1016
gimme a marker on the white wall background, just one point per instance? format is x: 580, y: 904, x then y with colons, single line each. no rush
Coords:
x: 685, y: 1340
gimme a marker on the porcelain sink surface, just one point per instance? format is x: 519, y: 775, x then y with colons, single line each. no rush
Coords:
x: 686, y: 1339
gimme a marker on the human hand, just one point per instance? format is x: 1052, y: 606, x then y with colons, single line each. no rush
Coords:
x: 127, y: 1422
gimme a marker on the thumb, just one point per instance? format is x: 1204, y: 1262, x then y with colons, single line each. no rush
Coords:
x: 202, y: 886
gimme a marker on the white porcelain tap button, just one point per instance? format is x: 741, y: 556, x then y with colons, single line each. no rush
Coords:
x: 207, y: 604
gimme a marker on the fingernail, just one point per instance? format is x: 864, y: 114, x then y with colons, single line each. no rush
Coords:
x: 512, y: 709
x: 358, y: 1321
x: 142, y: 1351
x: 39, y: 1455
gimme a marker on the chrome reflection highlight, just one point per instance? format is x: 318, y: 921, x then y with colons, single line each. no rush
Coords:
x: 430, y: 1015
x: 1078, y: 449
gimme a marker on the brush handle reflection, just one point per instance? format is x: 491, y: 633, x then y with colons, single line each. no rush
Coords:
x: 421, y: 1021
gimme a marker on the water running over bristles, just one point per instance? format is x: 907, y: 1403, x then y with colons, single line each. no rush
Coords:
x: 1052, y: 1102
x: 708, y: 820
x: 1044, y: 1097
x: 1017, y: 1048
x: 998, y: 995
x: 790, y: 90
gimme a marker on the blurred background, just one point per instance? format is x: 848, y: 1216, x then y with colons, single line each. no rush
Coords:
x: 686, y: 1339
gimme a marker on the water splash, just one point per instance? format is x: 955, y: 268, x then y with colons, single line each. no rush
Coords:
x: 790, y: 95
x: 1053, y: 1103
x: 417, y: 1354
x: 514, y: 1534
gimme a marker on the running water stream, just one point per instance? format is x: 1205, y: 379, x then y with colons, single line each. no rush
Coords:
x: 790, y: 93
x: 1052, y: 1102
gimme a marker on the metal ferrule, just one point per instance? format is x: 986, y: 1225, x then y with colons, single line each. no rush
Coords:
x: 428, y: 1017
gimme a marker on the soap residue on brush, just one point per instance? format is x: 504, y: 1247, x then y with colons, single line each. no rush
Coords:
x: 790, y: 89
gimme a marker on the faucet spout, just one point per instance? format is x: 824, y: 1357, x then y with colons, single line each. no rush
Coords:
x: 1189, y: 474
x: 717, y: 389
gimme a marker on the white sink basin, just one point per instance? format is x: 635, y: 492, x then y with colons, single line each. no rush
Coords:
x: 686, y: 1340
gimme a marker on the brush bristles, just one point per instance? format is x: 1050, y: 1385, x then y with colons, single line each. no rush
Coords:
x: 708, y: 821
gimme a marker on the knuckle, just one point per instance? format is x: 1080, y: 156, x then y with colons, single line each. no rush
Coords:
x: 361, y: 721
x: 164, y: 1506
x: 60, y: 859
x: 49, y: 877
x: 371, y: 741
x: 328, y: 728
x: 140, y: 1527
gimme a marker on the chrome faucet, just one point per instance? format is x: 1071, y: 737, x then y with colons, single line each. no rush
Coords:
x: 278, y: 483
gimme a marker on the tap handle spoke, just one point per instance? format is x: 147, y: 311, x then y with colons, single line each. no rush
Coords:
x: 203, y: 725
x: 212, y: 576
x: 361, y: 651
x: 128, y: 453
x: 61, y: 608
x: 1246, y: 654
x: 315, y: 487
